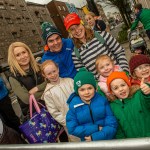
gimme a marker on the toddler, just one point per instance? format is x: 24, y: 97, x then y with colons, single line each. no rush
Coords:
x: 105, y: 66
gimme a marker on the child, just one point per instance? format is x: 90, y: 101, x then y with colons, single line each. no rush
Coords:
x: 105, y: 66
x: 139, y: 68
x: 89, y: 117
x: 56, y: 92
x: 131, y: 111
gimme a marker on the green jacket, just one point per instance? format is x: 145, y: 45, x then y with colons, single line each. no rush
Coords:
x: 144, y: 18
x: 133, y: 115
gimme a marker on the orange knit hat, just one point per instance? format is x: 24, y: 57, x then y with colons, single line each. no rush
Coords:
x: 117, y: 75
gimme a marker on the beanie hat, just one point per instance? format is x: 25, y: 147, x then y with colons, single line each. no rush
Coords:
x: 101, y: 24
x: 138, y: 60
x: 71, y: 19
x: 83, y: 77
x: 117, y: 75
x: 48, y: 29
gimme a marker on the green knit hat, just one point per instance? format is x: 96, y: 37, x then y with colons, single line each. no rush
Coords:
x: 48, y: 29
x: 83, y: 77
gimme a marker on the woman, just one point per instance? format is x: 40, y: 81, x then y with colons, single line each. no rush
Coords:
x: 89, y: 46
x: 26, y: 78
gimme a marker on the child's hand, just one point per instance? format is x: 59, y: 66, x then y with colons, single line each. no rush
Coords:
x: 33, y: 90
x: 88, y: 138
x: 144, y: 87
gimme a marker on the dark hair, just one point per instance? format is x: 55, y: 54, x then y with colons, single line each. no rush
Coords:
x: 101, y: 24
x: 138, y: 6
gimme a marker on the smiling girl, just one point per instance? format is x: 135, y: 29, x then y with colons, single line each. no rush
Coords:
x: 131, y: 110
x: 56, y: 93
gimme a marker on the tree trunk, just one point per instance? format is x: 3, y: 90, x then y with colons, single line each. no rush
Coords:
x: 124, y: 18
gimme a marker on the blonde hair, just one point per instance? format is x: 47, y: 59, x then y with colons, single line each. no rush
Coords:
x: 100, y: 58
x: 45, y: 64
x: 89, y: 35
x: 90, y: 14
x: 13, y: 63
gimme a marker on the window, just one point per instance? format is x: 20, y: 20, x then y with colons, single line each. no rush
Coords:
x: 34, y: 31
x: 12, y: 7
x: 14, y: 34
x: 9, y: 21
x: 2, y: 6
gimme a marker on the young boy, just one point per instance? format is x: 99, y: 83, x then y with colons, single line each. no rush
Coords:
x: 131, y: 110
x: 89, y: 117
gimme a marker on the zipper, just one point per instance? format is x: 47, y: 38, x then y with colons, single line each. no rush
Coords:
x: 91, y: 113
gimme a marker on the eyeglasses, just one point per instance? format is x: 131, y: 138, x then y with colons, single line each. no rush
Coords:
x: 141, y: 67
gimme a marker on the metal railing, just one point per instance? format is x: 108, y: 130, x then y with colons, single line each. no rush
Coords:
x: 125, y: 144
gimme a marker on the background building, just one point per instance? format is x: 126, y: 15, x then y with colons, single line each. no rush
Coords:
x: 21, y: 21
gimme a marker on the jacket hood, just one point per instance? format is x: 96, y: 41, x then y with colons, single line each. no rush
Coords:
x: 71, y: 97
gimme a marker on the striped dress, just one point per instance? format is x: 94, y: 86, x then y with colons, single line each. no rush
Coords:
x: 90, y: 50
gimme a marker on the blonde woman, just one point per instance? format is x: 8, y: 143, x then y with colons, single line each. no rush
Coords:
x: 25, y: 76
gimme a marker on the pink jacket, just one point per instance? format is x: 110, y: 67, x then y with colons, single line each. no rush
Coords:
x: 103, y: 80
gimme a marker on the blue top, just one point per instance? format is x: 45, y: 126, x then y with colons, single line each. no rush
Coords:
x: 85, y: 119
x: 3, y: 89
x: 63, y: 59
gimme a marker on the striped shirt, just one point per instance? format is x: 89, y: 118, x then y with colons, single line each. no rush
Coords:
x: 90, y: 50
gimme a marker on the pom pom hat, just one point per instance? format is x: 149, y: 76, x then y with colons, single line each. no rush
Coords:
x: 83, y: 77
x: 48, y: 30
x: 71, y: 19
x: 138, y: 60
x: 117, y: 75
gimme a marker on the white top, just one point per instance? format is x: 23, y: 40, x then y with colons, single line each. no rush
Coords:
x: 55, y: 97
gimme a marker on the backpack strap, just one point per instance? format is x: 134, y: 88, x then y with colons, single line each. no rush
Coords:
x: 98, y: 36
x: 77, y: 53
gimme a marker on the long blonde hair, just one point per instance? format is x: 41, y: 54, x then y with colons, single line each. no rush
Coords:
x: 13, y: 63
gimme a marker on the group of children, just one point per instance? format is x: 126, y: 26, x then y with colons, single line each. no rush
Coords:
x: 115, y: 106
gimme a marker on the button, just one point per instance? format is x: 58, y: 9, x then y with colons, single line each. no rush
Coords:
x: 140, y: 111
x: 123, y: 107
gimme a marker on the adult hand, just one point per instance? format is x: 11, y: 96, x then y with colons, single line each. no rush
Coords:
x: 88, y: 138
x: 144, y: 87
x: 33, y: 90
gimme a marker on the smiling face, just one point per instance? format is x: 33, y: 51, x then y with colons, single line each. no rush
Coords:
x: 142, y: 71
x: 86, y: 92
x: 51, y: 72
x: 54, y: 43
x: 77, y: 31
x: 105, y: 67
x: 22, y: 57
x: 119, y: 88
x: 90, y: 20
